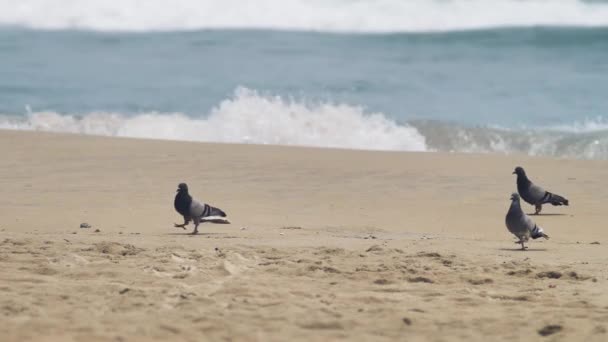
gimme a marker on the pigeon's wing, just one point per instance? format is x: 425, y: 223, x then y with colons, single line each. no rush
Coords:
x: 535, y: 231
x: 533, y: 194
x: 527, y: 222
x: 197, y: 208
x: 213, y: 211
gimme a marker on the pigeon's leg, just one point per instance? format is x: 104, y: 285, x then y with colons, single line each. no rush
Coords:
x: 521, y: 241
x: 523, y: 247
x: 538, y: 208
x: 196, y: 220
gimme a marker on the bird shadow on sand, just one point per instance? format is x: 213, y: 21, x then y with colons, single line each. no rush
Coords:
x: 523, y: 250
x: 551, y: 214
x: 199, y: 234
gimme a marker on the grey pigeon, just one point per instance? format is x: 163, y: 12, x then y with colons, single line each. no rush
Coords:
x: 193, y: 210
x: 520, y: 224
x: 534, y: 194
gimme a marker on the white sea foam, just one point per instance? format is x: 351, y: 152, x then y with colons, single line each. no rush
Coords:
x: 315, y: 15
x: 248, y: 117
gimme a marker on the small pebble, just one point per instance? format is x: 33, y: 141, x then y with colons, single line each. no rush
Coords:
x: 85, y: 225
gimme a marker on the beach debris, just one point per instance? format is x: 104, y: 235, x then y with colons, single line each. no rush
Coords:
x: 420, y: 280
x: 291, y: 227
x: 85, y: 225
x: 374, y: 248
x: 407, y: 321
x: 381, y: 281
x: 243, y: 228
x: 97, y: 230
x: 550, y: 329
x: 534, y: 194
x: 595, y: 243
x: 193, y: 210
x: 125, y: 290
x: 480, y: 281
x: 281, y: 233
x: 549, y: 274
x: 521, y: 225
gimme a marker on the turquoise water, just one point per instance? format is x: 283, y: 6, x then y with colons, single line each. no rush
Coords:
x: 539, y: 90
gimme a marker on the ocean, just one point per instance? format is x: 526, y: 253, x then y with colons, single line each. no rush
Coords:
x: 495, y: 76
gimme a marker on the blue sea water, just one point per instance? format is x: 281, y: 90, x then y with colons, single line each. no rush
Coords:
x: 495, y: 76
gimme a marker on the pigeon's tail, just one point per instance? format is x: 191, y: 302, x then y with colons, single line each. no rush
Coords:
x: 213, y: 211
x: 554, y: 199
x: 537, y: 232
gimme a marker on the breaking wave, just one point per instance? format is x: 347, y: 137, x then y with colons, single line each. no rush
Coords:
x: 246, y: 118
x: 251, y: 118
x: 308, y: 15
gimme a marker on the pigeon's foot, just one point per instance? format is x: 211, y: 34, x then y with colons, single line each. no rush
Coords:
x: 183, y: 226
x: 538, y: 209
x: 194, y: 232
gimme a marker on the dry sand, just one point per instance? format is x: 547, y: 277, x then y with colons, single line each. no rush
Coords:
x: 337, y: 245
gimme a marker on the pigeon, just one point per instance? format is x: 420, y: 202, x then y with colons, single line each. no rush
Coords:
x: 193, y: 210
x: 520, y: 224
x: 534, y: 194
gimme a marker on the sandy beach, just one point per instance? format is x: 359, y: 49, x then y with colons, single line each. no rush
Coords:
x: 324, y: 245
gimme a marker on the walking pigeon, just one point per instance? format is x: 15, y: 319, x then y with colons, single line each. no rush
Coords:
x: 534, y: 194
x: 193, y: 210
x: 520, y: 224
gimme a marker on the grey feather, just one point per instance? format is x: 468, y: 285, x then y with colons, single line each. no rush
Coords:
x: 520, y: 224
x: 202, y: 210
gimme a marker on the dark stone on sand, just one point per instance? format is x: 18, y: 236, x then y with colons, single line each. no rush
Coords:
x: 550, y: 329
x: 420, y: 280
x: 407, y: 321
x: 85, y: 225
x: 549, y: 274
